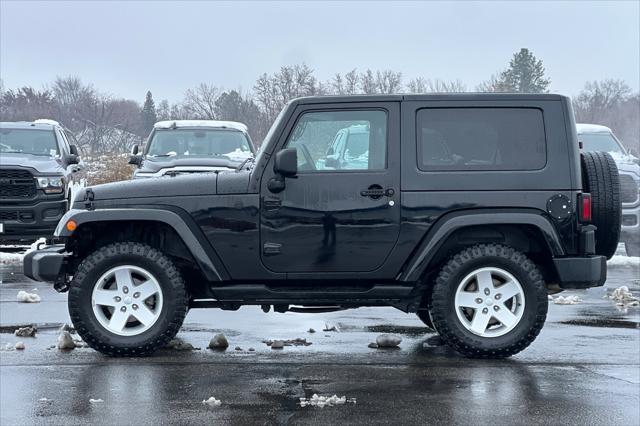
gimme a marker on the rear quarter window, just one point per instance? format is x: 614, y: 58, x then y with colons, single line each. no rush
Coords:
x: 468, y: 139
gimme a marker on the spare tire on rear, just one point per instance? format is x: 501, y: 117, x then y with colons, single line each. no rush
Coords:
x: 600, y: 178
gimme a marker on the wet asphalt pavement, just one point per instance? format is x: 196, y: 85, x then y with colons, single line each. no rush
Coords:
x: 584, y: 368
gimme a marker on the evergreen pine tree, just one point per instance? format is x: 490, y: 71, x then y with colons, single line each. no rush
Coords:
x: 525, y: 74
x: 148, y: 113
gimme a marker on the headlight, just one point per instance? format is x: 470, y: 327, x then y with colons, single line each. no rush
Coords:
x: 51, y: 185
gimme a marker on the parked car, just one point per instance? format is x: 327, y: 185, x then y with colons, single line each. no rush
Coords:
x: 38, y: 168
x: 600, y: 138
x: 471, y: 210
x: 188, y: 146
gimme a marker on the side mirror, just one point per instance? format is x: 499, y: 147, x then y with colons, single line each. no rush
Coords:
x: 286, y: 162
x: 73, y: 150
x: 136, y: 160
x: 134, y: 150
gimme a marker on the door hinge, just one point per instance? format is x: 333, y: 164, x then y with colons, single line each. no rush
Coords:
x: 271, y: 248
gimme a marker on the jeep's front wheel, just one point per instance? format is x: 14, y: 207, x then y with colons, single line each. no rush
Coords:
x: 489, y: 301
x: 127, y: 299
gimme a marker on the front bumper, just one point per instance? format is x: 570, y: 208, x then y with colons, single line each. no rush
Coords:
x: 29, y: 221
x: 581, y: 272
x: 46, y: 264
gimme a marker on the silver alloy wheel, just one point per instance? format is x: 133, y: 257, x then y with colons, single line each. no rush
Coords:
x: 489, y: 302
x: 127, y: 300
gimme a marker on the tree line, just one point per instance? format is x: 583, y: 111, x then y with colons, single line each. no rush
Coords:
x: 103, y: 123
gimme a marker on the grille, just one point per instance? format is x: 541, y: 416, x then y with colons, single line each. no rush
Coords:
x: 8, y: 215
x: 16, y: 184
x: 628, y: 189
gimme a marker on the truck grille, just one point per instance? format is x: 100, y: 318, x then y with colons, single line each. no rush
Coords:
x: 17, y: 184
x: 628, y: 189
x: 8, y: 216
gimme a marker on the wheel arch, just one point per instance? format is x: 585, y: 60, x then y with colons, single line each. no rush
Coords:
x: 526, y: 230
x: 180, y: 234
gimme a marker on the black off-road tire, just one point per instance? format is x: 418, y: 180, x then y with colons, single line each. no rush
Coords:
x: 443, y: 312
x: 601, y: 179
x: 174, y: 308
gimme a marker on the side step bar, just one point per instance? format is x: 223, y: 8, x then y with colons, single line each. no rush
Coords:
x: 263, y: 294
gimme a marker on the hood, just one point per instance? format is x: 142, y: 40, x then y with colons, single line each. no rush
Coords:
x: 155, y: 164
x: 40, y: 164
x: 197, y: 184
x: 167, y: 186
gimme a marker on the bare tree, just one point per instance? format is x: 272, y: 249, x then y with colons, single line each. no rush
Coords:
x: 368, y: 83
x: 337, y: 85
x: 201, y: 101
x: 351, y: 81
x: 388, y: 81
x: 611, y: 103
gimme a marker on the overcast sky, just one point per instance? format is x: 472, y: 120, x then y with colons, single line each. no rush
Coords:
x: 127, y: 48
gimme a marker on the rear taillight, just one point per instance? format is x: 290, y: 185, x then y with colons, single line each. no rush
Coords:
x: 585, y: 208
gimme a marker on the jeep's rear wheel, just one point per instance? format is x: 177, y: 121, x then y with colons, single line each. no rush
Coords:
x: 600, y: 178
x: 127, y: 299
x: 489, y: 301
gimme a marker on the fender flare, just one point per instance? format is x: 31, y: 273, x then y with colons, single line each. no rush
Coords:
x: 192, y: 236
x: 449, y: 223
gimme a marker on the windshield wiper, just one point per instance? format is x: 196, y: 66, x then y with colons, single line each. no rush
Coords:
x: 244, y: 163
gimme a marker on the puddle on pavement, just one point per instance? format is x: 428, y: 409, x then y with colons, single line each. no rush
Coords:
x: 606, y: 323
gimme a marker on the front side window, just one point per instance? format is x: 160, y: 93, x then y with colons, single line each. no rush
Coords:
x: 600, y: 142
x: 341, y: 140
x: 481, y: 139
x: 26, y: 141
x: 219, y: 143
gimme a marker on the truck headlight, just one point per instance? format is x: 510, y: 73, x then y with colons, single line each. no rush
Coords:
x: 51, y: 185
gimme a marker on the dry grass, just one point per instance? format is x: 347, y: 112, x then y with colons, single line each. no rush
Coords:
x: 106, y: 169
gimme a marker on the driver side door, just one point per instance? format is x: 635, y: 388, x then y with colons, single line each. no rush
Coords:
x: 329, y: 220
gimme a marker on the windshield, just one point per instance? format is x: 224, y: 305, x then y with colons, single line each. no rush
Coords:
x: 219, y: 143
x: 28, y: 141
x: 600, y: 142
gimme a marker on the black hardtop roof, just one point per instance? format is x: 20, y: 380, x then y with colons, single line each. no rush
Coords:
x: 430, y: 97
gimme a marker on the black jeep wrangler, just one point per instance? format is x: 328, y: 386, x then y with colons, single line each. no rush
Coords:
x: 465, y: 209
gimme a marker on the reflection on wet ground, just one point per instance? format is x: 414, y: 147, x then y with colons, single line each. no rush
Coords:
x: 583, y: 369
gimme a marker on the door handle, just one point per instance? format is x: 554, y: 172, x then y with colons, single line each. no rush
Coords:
x: 376, y: 192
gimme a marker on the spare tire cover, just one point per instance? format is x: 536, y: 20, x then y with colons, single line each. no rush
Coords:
x: 600, y: 178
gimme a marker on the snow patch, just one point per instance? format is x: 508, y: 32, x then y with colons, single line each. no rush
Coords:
x: 24, y: 297
x: 623, y: 297
x: 624, y: 261
x: 388, y: 341
x: 212, y: 402
x: 567, y: 300
x: 10, y: 258
x: 219, y: 342
x: 326, y: 401
x: 65, y: 341
x: 28, y: 331
x: 95, y: 401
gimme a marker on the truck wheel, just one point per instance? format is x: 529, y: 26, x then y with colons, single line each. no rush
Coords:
x: 489, y: 301
x: 127, y: 299
x: 600, y: 178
